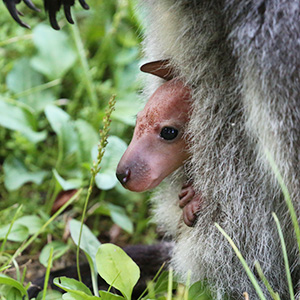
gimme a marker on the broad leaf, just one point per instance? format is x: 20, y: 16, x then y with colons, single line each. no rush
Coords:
x: 64, y: 127
x: 109, y: 296
x: 117, y: 268
x: 88, y: 138
x: 119, y: 216
x: 23, y: 78
x: 16, y: 174
x: 106, y: 179
x: 67, y: 185
x: 199, y: 291
x: 55, y: 53
x: 127, y: 109
x: 59, y: 249
x: 33, y: 223
x: 12, y: 282
x: 70, y: 285
x: 16, y: 118
x: 18, y: 233
x: 89, y: 243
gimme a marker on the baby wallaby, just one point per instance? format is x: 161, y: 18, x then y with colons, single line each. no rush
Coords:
x: 158, y: 146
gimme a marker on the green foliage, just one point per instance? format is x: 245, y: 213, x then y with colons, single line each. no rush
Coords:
x: 54, y: 87
x: 117, y: 268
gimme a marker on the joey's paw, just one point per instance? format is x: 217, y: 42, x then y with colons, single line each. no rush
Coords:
x: 189, y: 212
x: 190, y: 203
x: 186, y: 195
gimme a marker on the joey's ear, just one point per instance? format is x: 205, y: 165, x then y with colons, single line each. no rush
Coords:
x: 160, y: 68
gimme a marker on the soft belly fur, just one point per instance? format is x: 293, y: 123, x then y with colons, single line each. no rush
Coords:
x: 241, y: 60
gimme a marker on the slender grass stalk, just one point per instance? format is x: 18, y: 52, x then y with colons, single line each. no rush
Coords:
x: 246, y: 267
x: 85, y: 66
x: 39, y: 88
x: 187, y: 286
x: 16, y: 39
x: 170, y: 285
x: 95, y: 169
x: 30, y: 240
x: 10, y: 228
x: 153, y: 280
x: 261, y: 275
x: 286, y: 195
x: 285, y: 257
x: 47, y: 273
x: 23, y: 274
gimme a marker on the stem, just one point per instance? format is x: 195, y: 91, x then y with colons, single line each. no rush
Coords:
x: 285, y: 257
x: 286, y: 195
x: 39, y: 88
x: 95, y: 169
x: 10, y: 228
x: 47, y: 273
x: 244, y: 263
x: 85, y: 67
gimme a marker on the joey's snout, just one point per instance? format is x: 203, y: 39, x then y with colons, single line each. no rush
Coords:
x: 123, y: 176
x: 134, y: 173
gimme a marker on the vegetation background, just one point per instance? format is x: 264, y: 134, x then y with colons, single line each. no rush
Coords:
x: 54, y: 87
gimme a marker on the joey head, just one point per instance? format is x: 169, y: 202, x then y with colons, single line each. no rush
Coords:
x: 159, y: 145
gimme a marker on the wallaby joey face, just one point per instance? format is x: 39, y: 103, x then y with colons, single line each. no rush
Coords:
x: 157, y: 147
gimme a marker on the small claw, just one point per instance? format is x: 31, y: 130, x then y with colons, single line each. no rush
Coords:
x: 67, y: 10
x: 84, y: 4
x: 19, y: 13
x: 31, y: 5
x: 11, y: 6
x: 53, y: 21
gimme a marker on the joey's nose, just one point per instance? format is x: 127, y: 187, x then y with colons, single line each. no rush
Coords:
x: 123, y: 177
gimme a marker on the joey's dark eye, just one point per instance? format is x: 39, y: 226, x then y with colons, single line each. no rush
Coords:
x: 169, y: 133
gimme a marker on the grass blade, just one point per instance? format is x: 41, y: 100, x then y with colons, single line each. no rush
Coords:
x: 274, y: 295
x: 246, y: 267
x: 286, y: 195
x: 285, y: 257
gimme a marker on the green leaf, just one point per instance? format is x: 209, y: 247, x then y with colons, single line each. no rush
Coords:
x: 51, y: 295
x: 76, y: 290
x: 14, y: 294
x: 127, y: 109
x: 59, y: 249
x: 56, y: 117
x: 16, y: 118
x: 109, y: 296
x: 18, y: 233
x: 67, y: 185
x: 71, y: 285
x: 12, y: 282
x: 78, y: 296
x: 106, y: 179
x: 117, y: 214
x: 199, y: 291
x: 89, y: 243
x: 119, y: 217
x: 88, y: 138
x: 33, y: 223
x: 55, y: 53
x: 16, y: 174
x: 117, y: 268
x: 64, y: 127
x: 24, y: 78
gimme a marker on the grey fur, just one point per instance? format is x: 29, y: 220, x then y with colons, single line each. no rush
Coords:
x: 241, y: 58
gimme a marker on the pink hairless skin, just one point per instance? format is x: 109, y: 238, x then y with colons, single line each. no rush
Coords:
x: 158, y: 146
